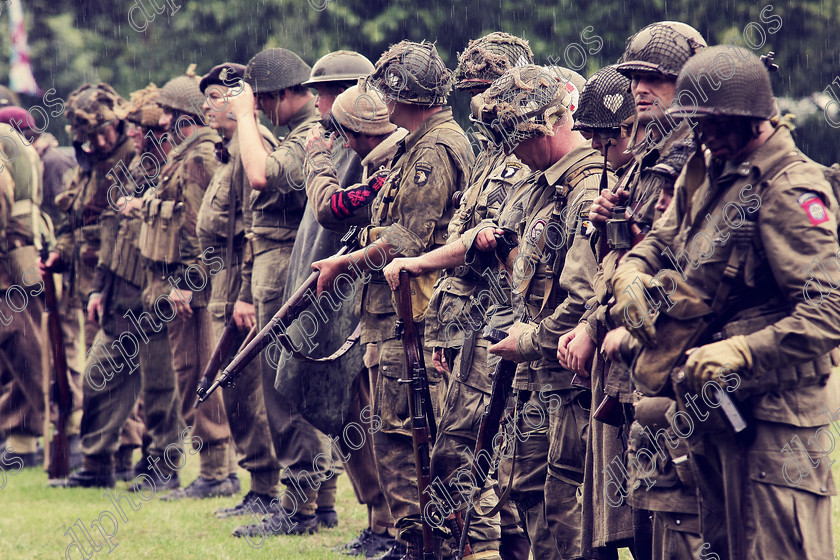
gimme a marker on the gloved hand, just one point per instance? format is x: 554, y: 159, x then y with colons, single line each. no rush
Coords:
x: 631, y: 307
x: 713, y: 360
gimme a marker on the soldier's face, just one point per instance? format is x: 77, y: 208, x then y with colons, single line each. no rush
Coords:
x: 726, y: 138
x: 102, y: 141
x: 165, y: 121
x: 136, y: 133
x: 272, y: 104
x: 531, y: 152
x: 609, y: 138
x: 666, y: 195
x: 217, y: 112
x: 652, y: 92
x: 325, y: 98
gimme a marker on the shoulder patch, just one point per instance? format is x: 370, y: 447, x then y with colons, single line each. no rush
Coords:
x: 536, y: 231
x: 510, y: 170
x: 814, y: 208
x: 422, y: 171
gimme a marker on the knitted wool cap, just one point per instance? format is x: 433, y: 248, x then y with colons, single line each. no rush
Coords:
x: 362, y: 111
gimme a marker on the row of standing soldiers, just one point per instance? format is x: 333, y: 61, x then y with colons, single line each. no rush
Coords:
x: 646, y: 238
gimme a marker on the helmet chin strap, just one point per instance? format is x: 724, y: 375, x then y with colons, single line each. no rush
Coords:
x: 607, y: 145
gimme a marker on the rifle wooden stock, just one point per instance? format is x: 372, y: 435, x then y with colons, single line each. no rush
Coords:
x: 295, y: 305
x: 219, y: 354
x: 59, y: 466
x: 609, y: 411
x: 423, y: 427
x: 491, y: 420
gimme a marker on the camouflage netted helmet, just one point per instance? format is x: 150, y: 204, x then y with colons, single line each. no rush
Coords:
x: 605, y: 102
x: 8, y: 97
x: 142, y: 108
x: 742, y: 80
x: 275, y: 70
x: 91, y: 106
x: 661, y: 47
x: 413, y: 73
x: 487, y: 58
x: 525, y: 102
x: 339, y: 66
x: 183, y: 94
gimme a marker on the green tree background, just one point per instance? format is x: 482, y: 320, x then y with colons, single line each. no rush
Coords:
x: 76, y: 41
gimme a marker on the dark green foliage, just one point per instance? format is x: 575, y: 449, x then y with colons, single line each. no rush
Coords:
x: 73, y: 42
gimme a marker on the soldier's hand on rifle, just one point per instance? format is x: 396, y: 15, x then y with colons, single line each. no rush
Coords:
x: 244, y: 315
x: 712, y: 361
x: 485, y: 240
x: 94, y: 307
x: 330, y: 269
x: 410, y: 264
x: 439, y: 359
x: 612, y: 343
x: 46, y: 267
x: 601, y: 209
x: 507, y: 347
x: 580, y: 352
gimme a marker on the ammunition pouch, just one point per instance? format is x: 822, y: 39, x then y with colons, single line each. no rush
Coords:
x: 161, y: 229
x: 87, y: 239
x: 808, y: 373
x: 655, y: 417
x: 128, y: 263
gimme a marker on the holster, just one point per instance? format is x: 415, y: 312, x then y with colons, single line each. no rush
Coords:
x: 655, y: 414
x: 467, y: 355
x: 160, y: 231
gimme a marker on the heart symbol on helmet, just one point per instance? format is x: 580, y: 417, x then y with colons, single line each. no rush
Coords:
x: 613, y: 102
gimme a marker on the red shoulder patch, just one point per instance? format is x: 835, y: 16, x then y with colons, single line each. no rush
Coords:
x: 814, y: 208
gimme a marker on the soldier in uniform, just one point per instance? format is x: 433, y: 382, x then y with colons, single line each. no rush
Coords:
x: 113, y: 382
x: 141, y: 114
x: 221, y: 224
x: 179, y: 272
x: 274, y: 79
x: 361, y: 119
x: 17, y: 330
x: 770, y: 219
x: 101, y: 146
x: 160, y: 401
x: 56, y: 168
x: 605, y: 105
x: 530, y: 112
x: 409, y: 216
x: 456, y: 295
x: 652, y: 60
x: 332, y: 75
x: 21, y: 389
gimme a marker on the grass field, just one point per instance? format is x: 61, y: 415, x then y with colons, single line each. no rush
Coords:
x: 34, y: 519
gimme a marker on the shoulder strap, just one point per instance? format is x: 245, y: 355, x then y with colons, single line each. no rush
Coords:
x: 746, y: 235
